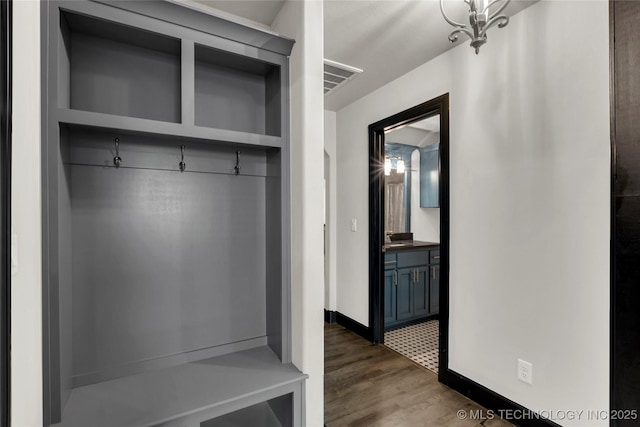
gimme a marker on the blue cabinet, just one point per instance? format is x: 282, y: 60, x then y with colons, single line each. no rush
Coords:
x: 430, y: 176
x: 421, y: 294
x: 404, y: 291
x: 390, y: 283
x: 434, y: 289
x: 411, y: 286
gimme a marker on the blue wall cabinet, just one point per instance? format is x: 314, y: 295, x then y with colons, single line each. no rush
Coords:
x: 430, y: 176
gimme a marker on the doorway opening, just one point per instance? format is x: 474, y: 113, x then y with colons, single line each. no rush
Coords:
x: 409, y: 231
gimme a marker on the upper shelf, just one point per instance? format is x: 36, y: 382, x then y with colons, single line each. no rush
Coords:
x: 116, y: 69
x: 142, y: 80
x: 132, y: 125
x: 236, y: 92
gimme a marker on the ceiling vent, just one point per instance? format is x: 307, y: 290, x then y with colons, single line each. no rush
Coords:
x: 337, y: 74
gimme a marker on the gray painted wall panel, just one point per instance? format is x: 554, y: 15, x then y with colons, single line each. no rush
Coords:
x: 117, y: 78
x: 90, y: 147
x: 170, y: 263
x: 229, y: 99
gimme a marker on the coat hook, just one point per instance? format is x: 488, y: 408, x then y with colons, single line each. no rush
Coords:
x: 237, y: 166
x: 117, y: 160
x: 182, y: 164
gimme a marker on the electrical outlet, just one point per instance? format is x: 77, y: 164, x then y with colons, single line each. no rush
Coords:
x: 525, y: 371
x: 354, y: 224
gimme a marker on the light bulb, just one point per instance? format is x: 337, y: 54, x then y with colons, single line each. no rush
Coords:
x: 400, y: 166
x: 387, y: 166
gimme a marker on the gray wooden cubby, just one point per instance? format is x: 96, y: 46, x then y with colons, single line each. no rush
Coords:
x: 166, y: 292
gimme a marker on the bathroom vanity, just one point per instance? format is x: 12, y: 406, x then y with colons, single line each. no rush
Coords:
x: 411, y: 282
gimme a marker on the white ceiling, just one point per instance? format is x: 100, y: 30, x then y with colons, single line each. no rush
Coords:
x: 431, y: 124
x: 388, y: 38
x: 385, y: 38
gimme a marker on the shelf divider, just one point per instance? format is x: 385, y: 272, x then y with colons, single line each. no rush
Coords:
x: 188, y: 82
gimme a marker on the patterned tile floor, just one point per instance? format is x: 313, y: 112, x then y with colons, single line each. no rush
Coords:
x: 418, y: 342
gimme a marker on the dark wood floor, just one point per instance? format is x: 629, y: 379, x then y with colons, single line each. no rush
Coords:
x: 371, y: 385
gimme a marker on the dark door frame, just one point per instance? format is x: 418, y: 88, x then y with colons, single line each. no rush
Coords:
x: 6, y: 11
x: 439, y: 105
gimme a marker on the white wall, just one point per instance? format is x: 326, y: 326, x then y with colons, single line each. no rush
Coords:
x: 425, y: 222
x: 303, y: 20
x: 330, y: 239
x: 26, y: 299
x: 529, y: 273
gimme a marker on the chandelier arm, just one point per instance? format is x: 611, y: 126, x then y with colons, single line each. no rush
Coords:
x: 502, y: 22
x: 453, y: 36
x: 500, y: 9
x: 449, y: 20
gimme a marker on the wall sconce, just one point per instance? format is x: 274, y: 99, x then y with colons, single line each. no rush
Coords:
x: 480, y: 20
x: 388, y: 165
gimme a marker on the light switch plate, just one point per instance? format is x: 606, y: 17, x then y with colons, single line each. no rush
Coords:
x: 354, y: 224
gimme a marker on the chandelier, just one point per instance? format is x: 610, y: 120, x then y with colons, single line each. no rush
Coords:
x: 480, y: 20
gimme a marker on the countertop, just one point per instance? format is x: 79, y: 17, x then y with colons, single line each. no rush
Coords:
x: 407, y: 245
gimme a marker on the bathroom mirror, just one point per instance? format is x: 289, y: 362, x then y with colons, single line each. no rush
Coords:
x: 411, y: 169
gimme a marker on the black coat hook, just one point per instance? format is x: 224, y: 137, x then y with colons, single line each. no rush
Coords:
x: 117, y: 160
x: 182, y: 164
x: 237, y: 166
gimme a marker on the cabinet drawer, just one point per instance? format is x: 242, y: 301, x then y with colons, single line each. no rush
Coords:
x: 413, y: 258
x: 434, y: 256
x: 390, y: 261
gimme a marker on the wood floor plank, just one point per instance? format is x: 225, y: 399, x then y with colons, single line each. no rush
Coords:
x: 370, y: 385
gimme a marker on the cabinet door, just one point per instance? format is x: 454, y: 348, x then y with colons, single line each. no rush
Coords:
x: 434, y: 289
x: 430, y: 176
x: 421, y: 291
x: 404, y: 294
x: 390, y: 282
